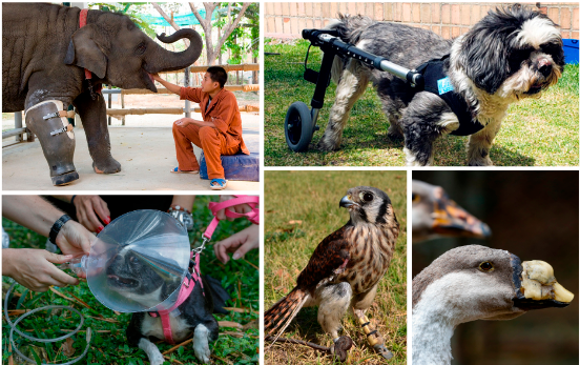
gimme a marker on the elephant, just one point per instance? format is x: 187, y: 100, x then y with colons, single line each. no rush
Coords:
x: 45, y: 55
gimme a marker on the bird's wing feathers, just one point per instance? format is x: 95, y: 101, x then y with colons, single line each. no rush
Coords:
x: 329, y: 256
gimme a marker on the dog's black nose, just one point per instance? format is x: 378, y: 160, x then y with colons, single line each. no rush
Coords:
x: 545, y: 68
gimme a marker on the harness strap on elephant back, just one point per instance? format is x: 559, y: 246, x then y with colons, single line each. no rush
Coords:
x: 88, y: 74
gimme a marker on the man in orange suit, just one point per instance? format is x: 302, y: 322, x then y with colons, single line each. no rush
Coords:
x: 220, y: 132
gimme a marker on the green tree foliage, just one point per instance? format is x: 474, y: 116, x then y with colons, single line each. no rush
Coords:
x: 134, y: 11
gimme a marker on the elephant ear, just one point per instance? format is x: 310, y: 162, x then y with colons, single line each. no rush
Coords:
x: 86, y: 50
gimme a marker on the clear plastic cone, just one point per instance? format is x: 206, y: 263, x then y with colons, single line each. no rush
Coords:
x: 138, y: 262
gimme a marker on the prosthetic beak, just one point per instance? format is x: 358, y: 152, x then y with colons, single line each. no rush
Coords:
x: 539, y: 288
x: 449, y: 219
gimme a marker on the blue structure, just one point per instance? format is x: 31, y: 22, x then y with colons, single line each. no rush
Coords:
x: 181, y: 20
x: 570, y: 50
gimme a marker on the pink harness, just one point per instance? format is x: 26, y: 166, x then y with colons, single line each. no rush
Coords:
x: 190, y: 280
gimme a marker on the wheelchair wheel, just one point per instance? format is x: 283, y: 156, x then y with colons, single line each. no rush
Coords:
x: 298, y: 127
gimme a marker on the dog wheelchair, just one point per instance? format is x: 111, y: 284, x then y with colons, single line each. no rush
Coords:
x: 300, y: 122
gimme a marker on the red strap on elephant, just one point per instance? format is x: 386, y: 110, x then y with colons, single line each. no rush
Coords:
x: 88, y: 74
x: 82, y: 23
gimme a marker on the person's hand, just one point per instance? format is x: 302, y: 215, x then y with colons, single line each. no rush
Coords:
x: 155, y: 77
x: 89, y: 209
x: 34, y: 268
x: 74, y: 239
x: 184, y: 122
x: 240, y: 208
x: 240, y: 243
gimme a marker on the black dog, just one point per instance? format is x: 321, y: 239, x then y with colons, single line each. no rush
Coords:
x: 130, y: 276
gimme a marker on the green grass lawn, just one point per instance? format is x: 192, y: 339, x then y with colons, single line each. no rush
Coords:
x: 109, y: 344
x: 301, y: 210
x: 542, y: 132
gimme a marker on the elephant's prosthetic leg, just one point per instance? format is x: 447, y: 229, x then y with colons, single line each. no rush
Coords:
x: 48, y: 122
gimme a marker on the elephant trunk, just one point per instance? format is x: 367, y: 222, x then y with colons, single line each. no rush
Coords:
x: 163, y: 60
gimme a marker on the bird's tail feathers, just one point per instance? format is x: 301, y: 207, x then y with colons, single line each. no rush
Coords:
x: 277, y: 318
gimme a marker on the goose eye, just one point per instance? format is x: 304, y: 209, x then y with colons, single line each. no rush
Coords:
x: 486, y: 266
x: 367, y: 197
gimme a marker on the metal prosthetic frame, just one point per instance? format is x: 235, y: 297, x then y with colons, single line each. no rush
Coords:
x: 374, y: 338
x: 300, y: 123
x: 48, y: 121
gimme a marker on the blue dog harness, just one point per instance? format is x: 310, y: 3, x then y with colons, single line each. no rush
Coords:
x: 438, y: 83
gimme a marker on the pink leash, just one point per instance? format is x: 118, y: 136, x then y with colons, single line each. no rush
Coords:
x: 189, y: 282
x: 253, y: 216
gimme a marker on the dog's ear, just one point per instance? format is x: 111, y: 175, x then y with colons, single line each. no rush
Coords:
x: 557, y: 53
x: 483, y: 56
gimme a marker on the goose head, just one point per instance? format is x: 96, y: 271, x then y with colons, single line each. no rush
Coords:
x: 476, y: 282
x: 435, y: 215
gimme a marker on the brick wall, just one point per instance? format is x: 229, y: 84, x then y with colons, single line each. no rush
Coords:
x: 286, y: 20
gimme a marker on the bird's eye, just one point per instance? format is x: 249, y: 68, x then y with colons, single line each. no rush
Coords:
x: 486, y: 266
x: 133, y: 259
x: 367, y: 197
x: 416, y: 198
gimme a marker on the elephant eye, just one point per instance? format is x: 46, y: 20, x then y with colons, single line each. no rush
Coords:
x: 141, y: 47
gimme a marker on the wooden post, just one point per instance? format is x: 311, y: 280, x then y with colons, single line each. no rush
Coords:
x: 123, y: 107
x: 110, y: 100
x: 18, y: 124
x: 187, y: 102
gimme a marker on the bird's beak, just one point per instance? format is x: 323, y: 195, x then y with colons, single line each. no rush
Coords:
x: 449, y: 219
x: 345, y: 202
x: 539, y: 288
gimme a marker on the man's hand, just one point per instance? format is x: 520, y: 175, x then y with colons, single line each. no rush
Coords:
x: 34, y: 268
x: 240, y: 243
x: 184, y: 122
x: 89, y: 209
x: 156, y: 77
x: 176, y: 89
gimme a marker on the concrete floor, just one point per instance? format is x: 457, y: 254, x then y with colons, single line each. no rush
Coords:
x: 146, y: 154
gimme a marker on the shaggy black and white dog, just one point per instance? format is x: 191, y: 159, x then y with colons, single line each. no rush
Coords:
x: 510, y: 54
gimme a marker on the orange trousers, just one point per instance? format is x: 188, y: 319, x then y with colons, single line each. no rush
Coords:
x: 209, y: 139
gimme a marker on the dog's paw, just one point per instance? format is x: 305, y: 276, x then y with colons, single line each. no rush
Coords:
x: 155, y: 357
x: 326, y: 145
x: 484, y: 161
x: 157, y: 361
x: 413, y: 160
x: 395, y: 133
x: 201, y: 344
x: 202, y: 354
